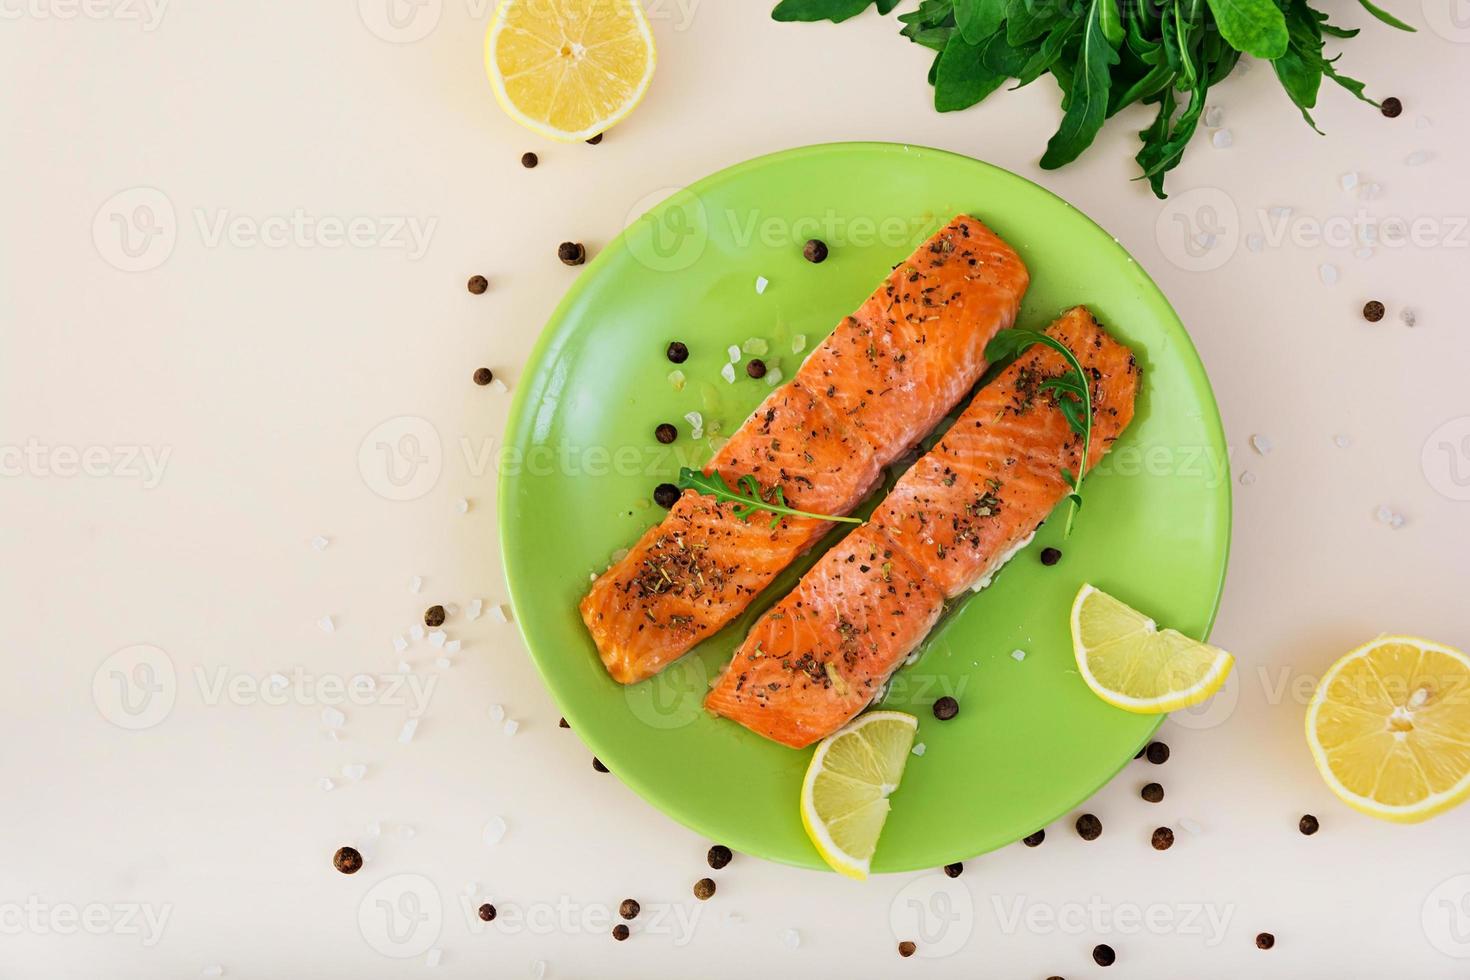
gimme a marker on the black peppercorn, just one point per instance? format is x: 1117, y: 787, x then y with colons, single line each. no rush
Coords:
x: 703, y: 889
x: 815, y: 251
x: 487, y: 912
x: 665, y: 433
x: 954, y: 870
x: 597, y: 764
x: 1157, y: 752
x: 1265, y: 940
x: 666, y: 495
x: 718, y: 856
x: 1035, y: 839
x: 946, y: 708
x: 755, y: 367
x: 347, y: 860
x: 595, y: 140
x: 906, y: 949
x: 434, y: 616
x: 1103, y: 955
x: 1050, y: 556
x: 620, y: 932
x: 1308, y: 825
x: 1163, y: 839
x: 477, y: 284
x: 629, y: 909
x: 1373, y: 311
x: 529, y: 160
x: 1089, y: 827
x: 562, y: 723
x: 484, y: 376
x: 1391, y: 107
x: 571, y: 253
x: 1153, y: 792
x: 678, y: 353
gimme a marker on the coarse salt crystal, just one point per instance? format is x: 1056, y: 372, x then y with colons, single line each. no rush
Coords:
x: 773, y: 377
x: 798, y: 343
x: 399, y: 643
x: 462, y: 505
x: 434, y: 956
x: 1281, y: 211
x: 494, y: 831
x: 761, y: 282
x: 415, y: 583
x: 1328, y: 272
x: 1409, y: 317
x: 497, y: 713
x: 1363, y: 253
x: 1348, y: 181
x: 437, y: 638
x: 1189, y: 826
x: 403, y: 667
x: 1254, y: 242
x: 1342, y: 441
x: 325, y: 785
x: 1213, y: 116
x: 538, y: 969
x: 408, y: 731
x: 791, y: 938
x: 473, y: 612
x: 407, y: 831
x: 452, y: 647
x: 326, y: 624
x: 374, y: 829
x: 1018, y: 655
x: 695, y: 420
x: 497, y: 385
x: 354, y: 771
x: 919, y: 748
x: 277, y: 682
x: 512, y: 726
x: 333, y: 718
x: 500, y: 614
x: 756, y: 346
x: 212, y: 971
x: 416, y: 632
x: 320, y: 543
x: 1247, y: 478
x: 734, y: 351
x: 728, y: 373
x: 677, y: 379
x: 1417, y: 158
x: 1262, y: 444
x: 443, y: 662
x: 1222, y: 139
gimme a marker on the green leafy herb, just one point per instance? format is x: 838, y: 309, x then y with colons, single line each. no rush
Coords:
x: 1107, y: 55
x: 752, y: 500
x: 1073, y: 394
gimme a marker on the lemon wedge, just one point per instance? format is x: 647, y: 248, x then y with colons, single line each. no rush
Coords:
x: 844, y: 797
x: 1389, y: 728
x: 569, y: 69
x: 1132, y: 664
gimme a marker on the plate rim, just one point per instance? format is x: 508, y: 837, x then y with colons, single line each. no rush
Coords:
x: 551, y: 335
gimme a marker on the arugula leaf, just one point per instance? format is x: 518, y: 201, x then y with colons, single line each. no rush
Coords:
x: 1256, y: 27
x: 962, y: 79
x: 833, y: 10
x: 1072, y: 393
x: 1385, y: 16
x: 1087, y: 106
x: 752, y: 501
x: 978, y: 19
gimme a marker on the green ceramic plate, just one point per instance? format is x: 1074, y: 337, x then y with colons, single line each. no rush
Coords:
x: 1031, y: 741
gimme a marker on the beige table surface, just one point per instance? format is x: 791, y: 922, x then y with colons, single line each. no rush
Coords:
x: 191, y: 359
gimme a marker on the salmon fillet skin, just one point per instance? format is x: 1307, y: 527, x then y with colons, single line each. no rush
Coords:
x: 879, y: 383
x: 825, y: 651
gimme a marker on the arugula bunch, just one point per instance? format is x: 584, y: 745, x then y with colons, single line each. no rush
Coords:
x: 749, y: 498
x: 1108, y: 54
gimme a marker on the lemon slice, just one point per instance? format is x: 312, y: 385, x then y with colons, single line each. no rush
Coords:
x: 1389, y: 728
x: 569, y: 69
x: 844, y: 798
x: 1132, y: 664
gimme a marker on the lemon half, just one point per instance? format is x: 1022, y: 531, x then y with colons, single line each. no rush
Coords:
x: 569, y: 69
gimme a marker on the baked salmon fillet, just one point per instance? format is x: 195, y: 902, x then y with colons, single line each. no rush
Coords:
x: 880, y: 382
x: 821, y: 655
